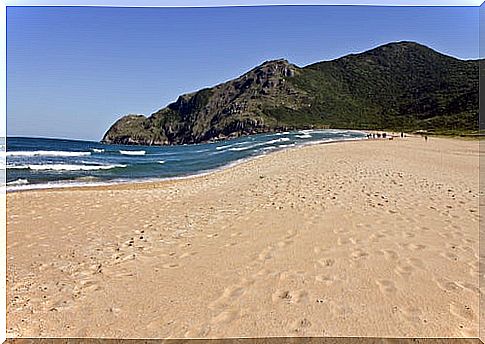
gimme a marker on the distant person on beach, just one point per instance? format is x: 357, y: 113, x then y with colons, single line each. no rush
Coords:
x: 426, y: 138
x: 384, y: 135
x: 402, y: 134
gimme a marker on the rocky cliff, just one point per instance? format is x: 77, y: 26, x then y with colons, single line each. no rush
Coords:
x: 400, y: 85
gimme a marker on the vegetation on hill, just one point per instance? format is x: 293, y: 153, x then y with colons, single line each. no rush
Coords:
x: 399, y: 86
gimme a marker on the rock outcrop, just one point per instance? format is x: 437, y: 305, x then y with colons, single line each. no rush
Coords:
x: 399, y: 85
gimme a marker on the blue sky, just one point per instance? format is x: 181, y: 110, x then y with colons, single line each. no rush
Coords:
x: 73, y: 71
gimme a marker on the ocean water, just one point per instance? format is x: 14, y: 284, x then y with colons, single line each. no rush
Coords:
x: 46, y: 163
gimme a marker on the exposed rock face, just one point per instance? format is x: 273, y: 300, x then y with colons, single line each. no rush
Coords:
x: 397, y: 85
x: 230, y: 109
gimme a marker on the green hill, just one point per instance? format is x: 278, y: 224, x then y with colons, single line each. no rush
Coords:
x: 401, y: 86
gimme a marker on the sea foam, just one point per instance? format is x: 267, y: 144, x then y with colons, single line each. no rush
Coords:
x: 64, y: 167
x: 129, y: 152
x: 19, y: 181
x: 232, y: 145
x: 282, y: 139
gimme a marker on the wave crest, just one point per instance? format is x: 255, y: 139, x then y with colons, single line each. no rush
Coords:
x: 64, y: 167
x: 129, y: 152
x: 19, y: 181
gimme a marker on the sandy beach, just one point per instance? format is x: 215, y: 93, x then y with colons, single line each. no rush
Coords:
x: 371, y: 238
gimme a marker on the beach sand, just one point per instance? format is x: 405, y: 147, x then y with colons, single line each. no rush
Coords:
x: 371, y: 238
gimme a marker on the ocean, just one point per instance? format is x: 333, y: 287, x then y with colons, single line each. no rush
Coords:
x: 33, y: 163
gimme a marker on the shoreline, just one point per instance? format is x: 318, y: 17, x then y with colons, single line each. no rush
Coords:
x: 152, y: 181
x: 373, y: 239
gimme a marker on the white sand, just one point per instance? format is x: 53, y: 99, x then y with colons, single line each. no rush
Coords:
x: 376, y: 238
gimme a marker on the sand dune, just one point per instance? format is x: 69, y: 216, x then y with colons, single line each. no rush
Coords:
x: 375, y: 238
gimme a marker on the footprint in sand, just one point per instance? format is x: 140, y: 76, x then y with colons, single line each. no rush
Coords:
x: 450, y: 256
x: 293, y: 275
x: 355, y: 241
x: 469, y: 241
x: 417, y: 247
x: 124, y: 273
x: 282, y: 295
x: 467, y: 331
x: 413, y: 315
x: 286, y: 296
x: 184, y: 245
x: 386, y: 286
x: 300, y: 325
x: 416, y: 262
x: 266, y: 254
x: 404, y: 270
x: 61, y: 305
x: 343, y: 241
x: 325, y: 279
x: 377, y: 237
x: 462, y: 311
x: 469, y: 286
x: 326, y: 262
x: 230, y: 294
x: 226, y: 316
x: 340, y: 231
x: 187, y: 254
x: 284, y: 243
x: 89, y: 285
x: 448, y: 286
x: 234, y: 292
x: 290, y: 234
x: 390, y: 254
x: 201, y: 332
x: 358, y: 254
x: 170, y: 265
x: 409, y: 235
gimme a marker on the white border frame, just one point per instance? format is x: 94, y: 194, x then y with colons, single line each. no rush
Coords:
x: 147, y: 3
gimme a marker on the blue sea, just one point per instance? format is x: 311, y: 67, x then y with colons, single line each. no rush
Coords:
x: 46, y: 163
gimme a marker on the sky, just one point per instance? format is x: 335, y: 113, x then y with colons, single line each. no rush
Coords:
x: 73, y: 71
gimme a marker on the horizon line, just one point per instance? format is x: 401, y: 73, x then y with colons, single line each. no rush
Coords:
x: 46, y: 137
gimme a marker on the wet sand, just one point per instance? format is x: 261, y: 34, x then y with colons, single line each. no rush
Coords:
x: 375, y: 238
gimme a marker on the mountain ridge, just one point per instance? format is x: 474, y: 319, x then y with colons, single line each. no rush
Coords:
x: 403, y: 85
